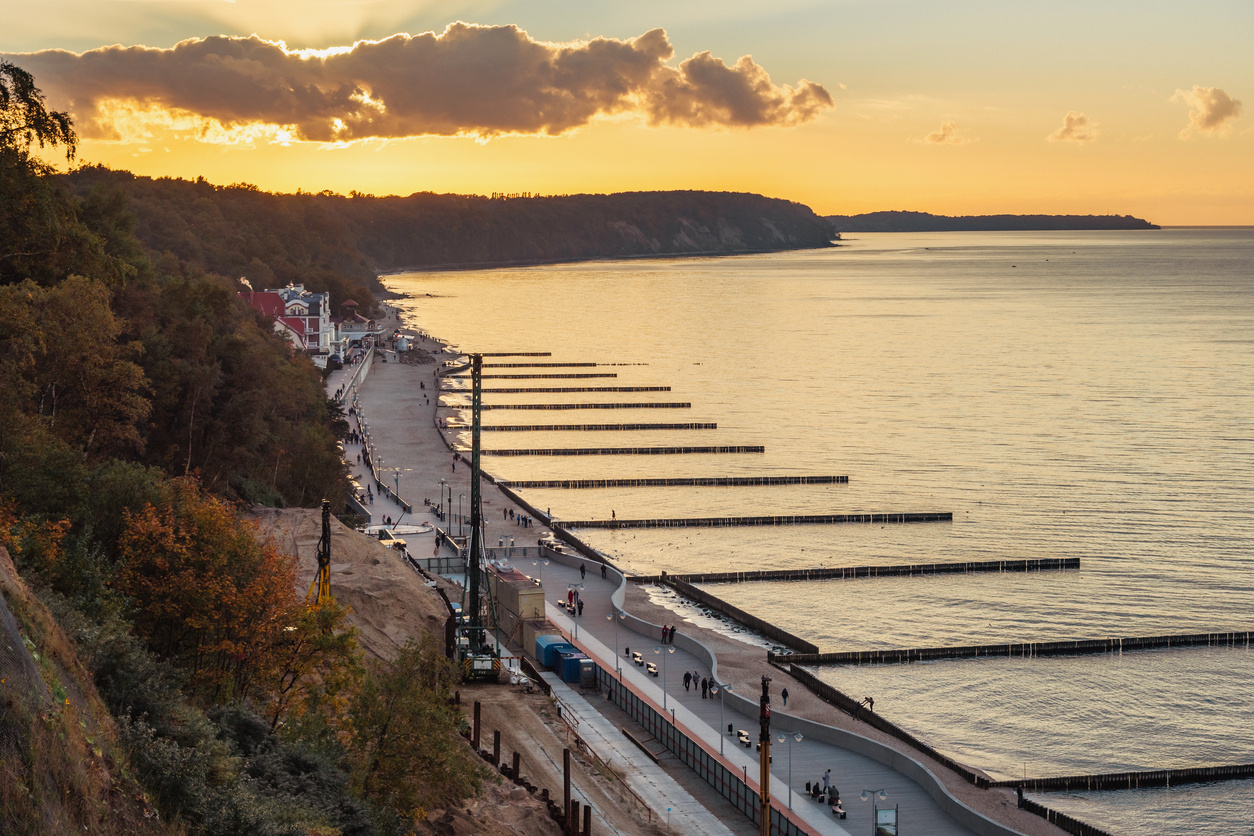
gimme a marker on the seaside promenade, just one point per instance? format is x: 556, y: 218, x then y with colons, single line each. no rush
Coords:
x: 402, y: 421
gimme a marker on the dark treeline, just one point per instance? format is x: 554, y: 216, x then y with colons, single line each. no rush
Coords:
x: 165, y: 677
x: 924, y: 222
x: 337, y: 243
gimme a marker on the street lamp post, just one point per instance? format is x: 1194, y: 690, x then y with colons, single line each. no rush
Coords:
x: 719, y: 689
x: 439, y: 506
x: 790, y: 737
x: 867, y: 795
x: 669, y: 650
x: 574, y: 616
x: 614, y: 616
x: 542, y: 562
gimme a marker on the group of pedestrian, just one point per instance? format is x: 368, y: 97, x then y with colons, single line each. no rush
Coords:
x: 517, y: 518
x: 668, y: 633
x: 694, y: 679
x: 574, y: 604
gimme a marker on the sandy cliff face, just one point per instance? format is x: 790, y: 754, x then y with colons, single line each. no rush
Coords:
x: 62, y: 769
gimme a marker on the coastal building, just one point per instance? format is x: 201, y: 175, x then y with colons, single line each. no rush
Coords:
x: 354, y: 329
x: 300, y: 315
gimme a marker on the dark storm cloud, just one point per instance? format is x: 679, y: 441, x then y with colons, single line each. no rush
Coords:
x: 483, y: 80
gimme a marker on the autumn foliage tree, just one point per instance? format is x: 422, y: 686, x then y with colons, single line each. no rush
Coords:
x: 207, y: 592
x: 405, y: 753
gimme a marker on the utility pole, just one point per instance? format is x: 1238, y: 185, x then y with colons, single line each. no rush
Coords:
x: 476, y: 523
x: 764, y: 744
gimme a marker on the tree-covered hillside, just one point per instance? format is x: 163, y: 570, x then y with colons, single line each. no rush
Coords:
x: 337, y: 243
x: 161, y: 674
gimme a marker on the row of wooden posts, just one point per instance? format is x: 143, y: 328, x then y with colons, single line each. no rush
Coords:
x: 569, y: 814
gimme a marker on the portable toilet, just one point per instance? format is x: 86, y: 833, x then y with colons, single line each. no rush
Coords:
x: 587, y: 672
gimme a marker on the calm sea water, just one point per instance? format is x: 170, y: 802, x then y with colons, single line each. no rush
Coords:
x: 1064, y: 395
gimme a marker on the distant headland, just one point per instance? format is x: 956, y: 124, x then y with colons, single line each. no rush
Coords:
x: 925, y: 222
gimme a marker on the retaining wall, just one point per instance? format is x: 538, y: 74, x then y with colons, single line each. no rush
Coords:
x: 751, y: 621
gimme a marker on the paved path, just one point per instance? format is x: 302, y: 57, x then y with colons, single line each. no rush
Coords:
x: 648, y: 780
x: 851, y: 773
x: 401, y: 418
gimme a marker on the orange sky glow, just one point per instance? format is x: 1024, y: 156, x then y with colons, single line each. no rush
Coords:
x: 845, y: 106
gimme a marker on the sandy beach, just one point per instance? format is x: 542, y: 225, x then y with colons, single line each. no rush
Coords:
x: 400, y: 404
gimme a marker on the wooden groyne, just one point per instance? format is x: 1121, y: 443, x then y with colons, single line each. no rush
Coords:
x: 682, y: 482
x: 528, y: 428
x: 1061, y: 820
x: 538, y: 365
x: 1027, y: 650
x: 620, y: 451
x: 729, y: 522
x: 560, y: 389
x: 551, y: 376
x: 853, y: 572
x: 1133, y: 780
x: 731, y: 611
x: 562, y: 406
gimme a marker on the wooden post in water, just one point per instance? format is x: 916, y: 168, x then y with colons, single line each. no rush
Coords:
x: 474, y: 737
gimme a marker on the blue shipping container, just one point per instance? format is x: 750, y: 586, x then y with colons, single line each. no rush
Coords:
x: 572, y: 665
x: 548, y: 648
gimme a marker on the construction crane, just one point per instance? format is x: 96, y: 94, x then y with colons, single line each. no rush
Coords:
x: 320, y: 590
x: 478, y: 659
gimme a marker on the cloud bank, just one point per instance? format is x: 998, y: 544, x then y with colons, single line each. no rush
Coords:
x: 480, y: 80
x: 1075, y: 128
x: 1211, y: 110
x: 948, y: 134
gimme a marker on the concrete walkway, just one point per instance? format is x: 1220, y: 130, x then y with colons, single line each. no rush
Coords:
x: 402, y: 420
x: 667, y: 799
x: 708, y: 718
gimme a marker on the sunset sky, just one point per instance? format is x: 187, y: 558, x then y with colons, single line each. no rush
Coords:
x: 848, y: 106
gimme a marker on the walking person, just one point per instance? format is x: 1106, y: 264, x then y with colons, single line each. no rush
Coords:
x: 705, y: 688
x: 580, y: 605
x: 602, y: 571
x: 583, y: 571
x: 687, y: 679
x: 672, y: 634
x: 827, y: 780
x: 784, y: 694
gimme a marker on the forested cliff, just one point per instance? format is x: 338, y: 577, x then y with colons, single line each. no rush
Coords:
x: 926, y: 222
x: 329, y: 241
